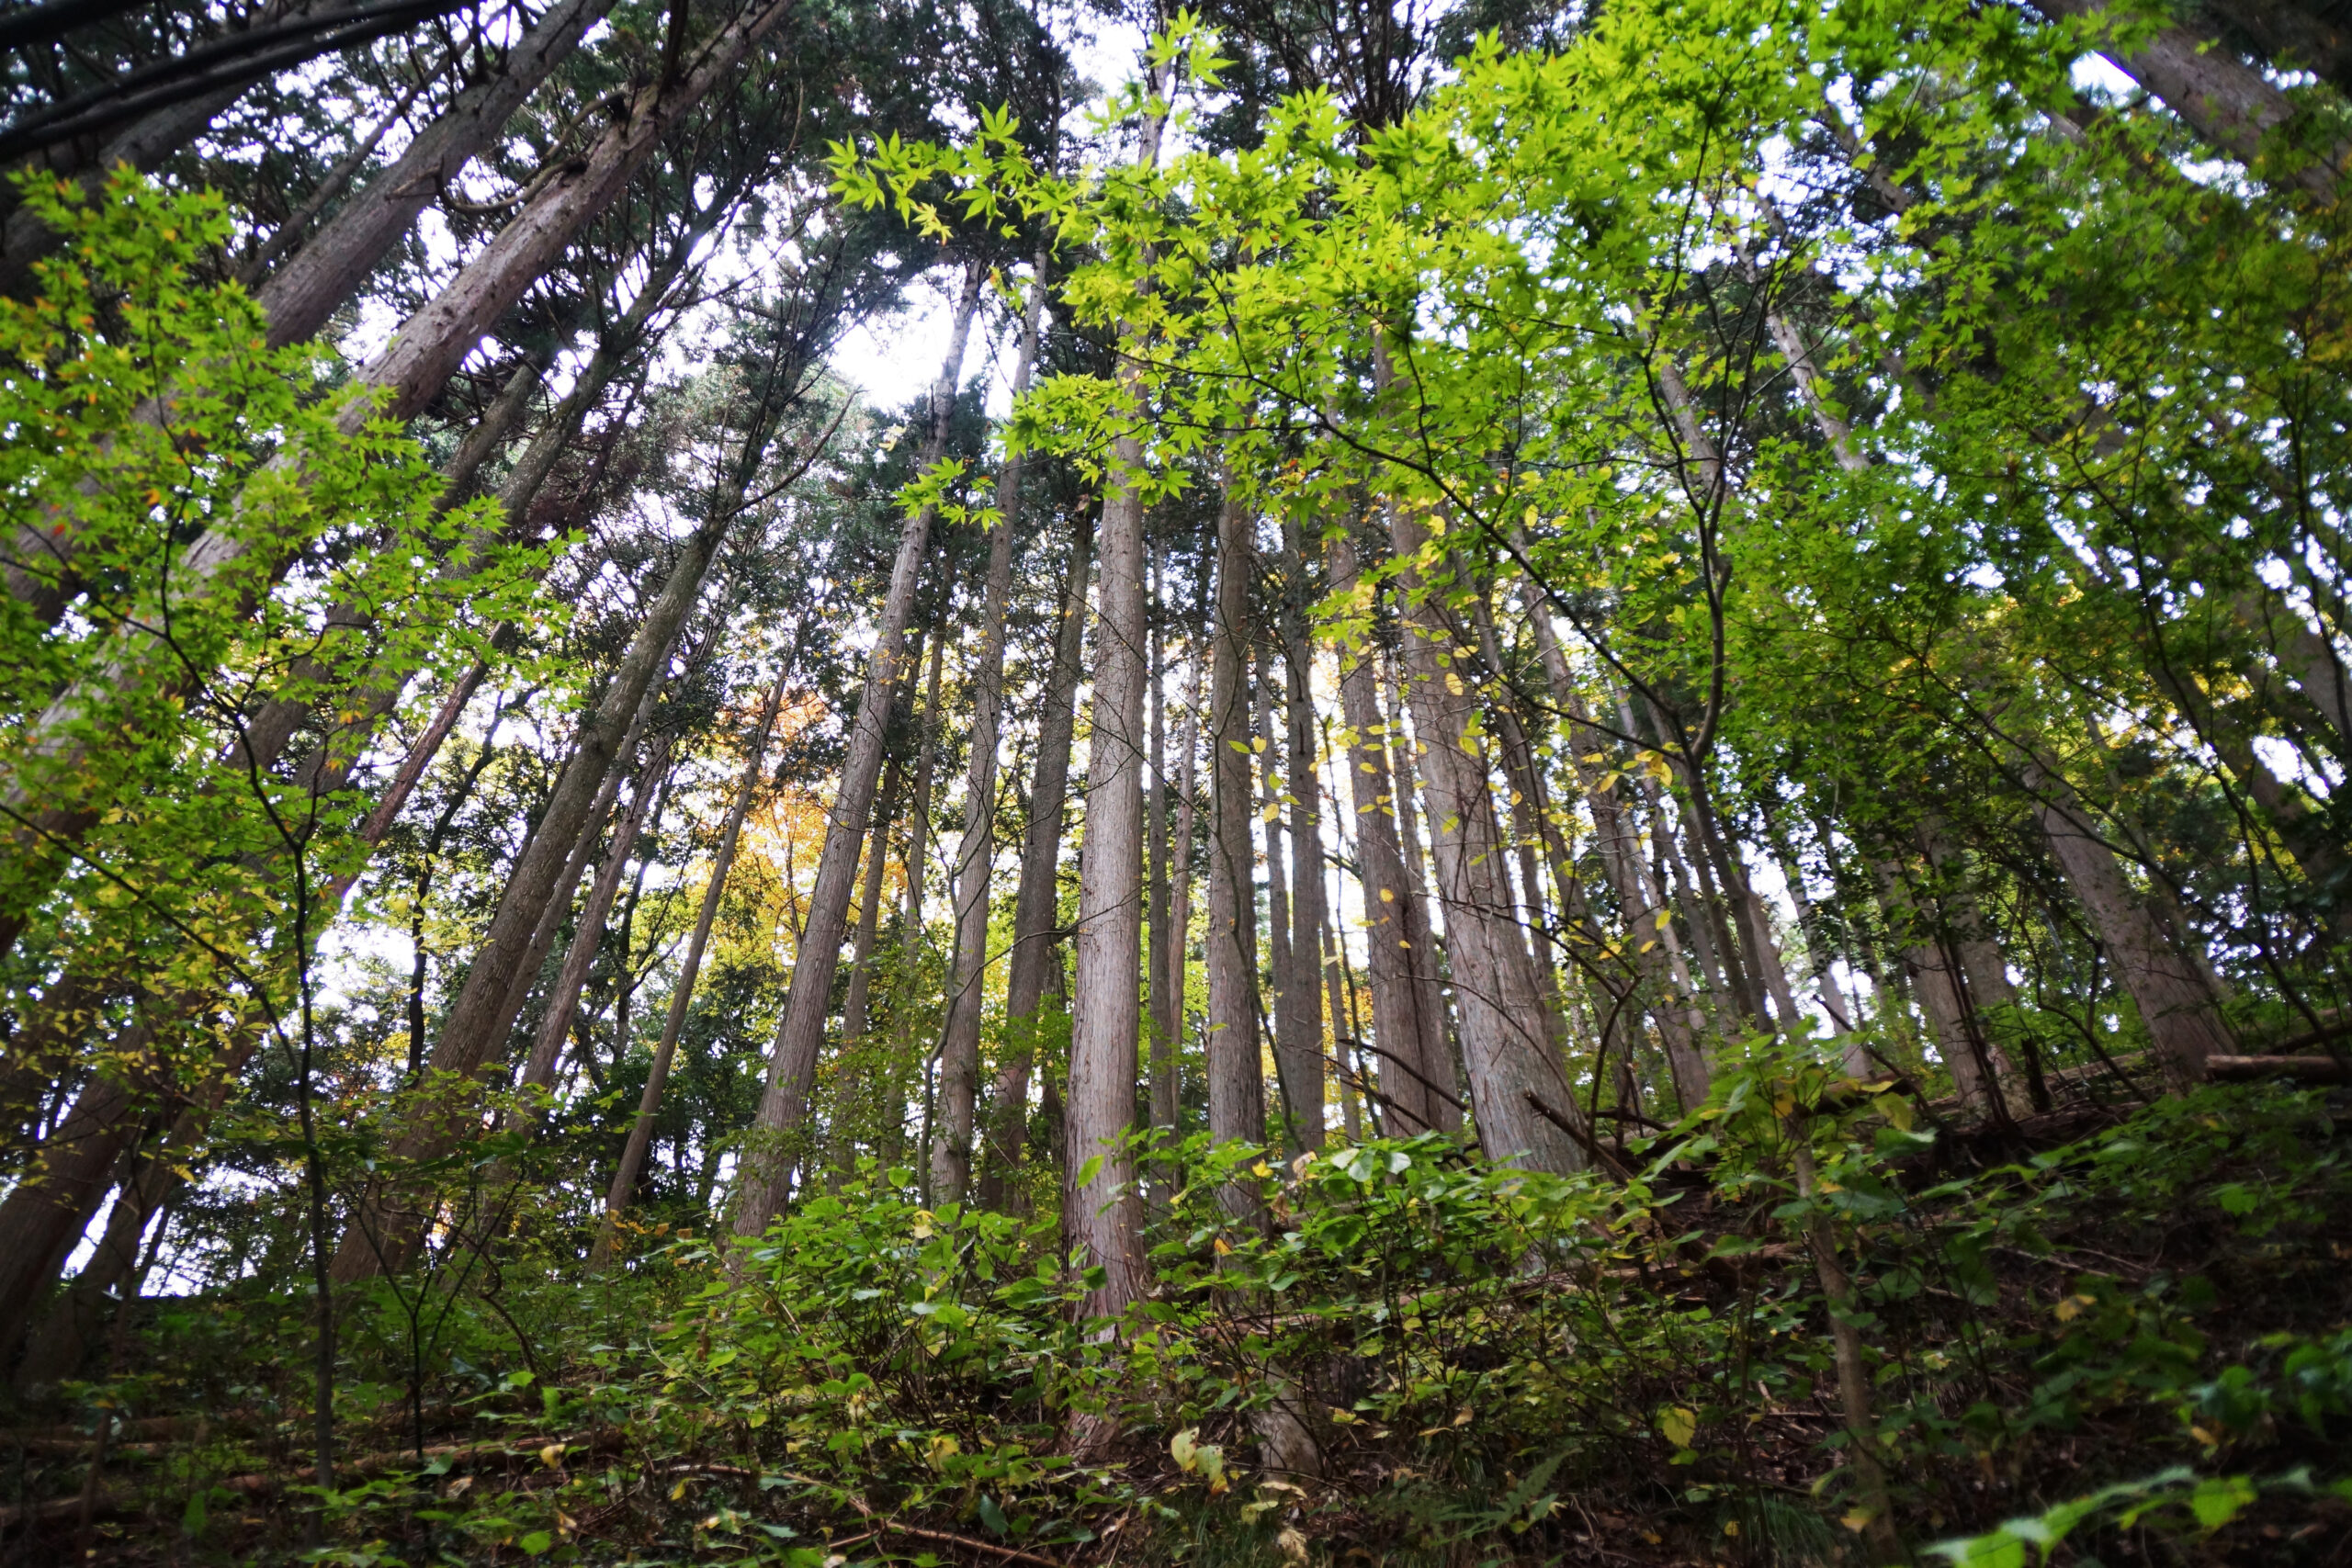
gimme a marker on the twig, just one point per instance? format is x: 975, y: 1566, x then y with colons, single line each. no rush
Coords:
x: 881, y: 1524
x: 1010, y: 1553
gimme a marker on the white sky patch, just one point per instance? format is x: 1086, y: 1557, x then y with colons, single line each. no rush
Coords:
x: 2095, y: 72
x: 896, y: 359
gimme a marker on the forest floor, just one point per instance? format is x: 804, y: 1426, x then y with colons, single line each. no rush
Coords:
x: 2120, y: 1333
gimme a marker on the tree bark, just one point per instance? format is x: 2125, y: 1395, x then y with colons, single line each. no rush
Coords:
x: 1288, y: 1072
x: 559, y: 904
x: 307, y: 291
x: 145, y: 145
x: 1505, y: 1051
x: 395, y: 385
x: 855, y: 1022
x: 468, y: 1026
x: 1037, y: 900
x: 1170, y: 980
x: 1161, y: 1049
x: 588, y: 938
x: 792, y: 1062
x: 1444, y: 1081
x: 1237, y: 1081
x: 1934, y: 975
x: 1657, y: 949
x: 2229, y: 104
x: 2177, y: 1010
x: 1302, y: 995
x: 1991, y: 1000
x: 328, y: 269
x: 1105, y: 1006
x: 1408, y: 1072
x: 640, y: 1132
x: 1522, y: 774
x: 48, y: 1209
x: 919, y: 819
x: 960, y: 1055
x: 1820, y: 954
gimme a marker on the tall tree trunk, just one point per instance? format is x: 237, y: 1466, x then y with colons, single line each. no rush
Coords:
x: 856, y: 1023
x: 431, y: 344
x: 1301, y: 999
x: 919, y: 819
x: 1822, y: 954
x: 588, y: 935
x: 959, y: 1054
x: 1443, y: 1083
x: 1161, y: 1050
x: 1037, y: 900
x: 2175, y: 1007
x: 1407, y: 1073
x: 1289, y: 1073
x: 1522, y: 773
x: 383, y: 1239
x: 1105, y: 1004
x: 1657, y: 949
x: 2230, y: 105
x: 792, y: 1062
x: 58, y: 1345
x: 144, y: 145
x: 722, y: 861
x: 527, y: 973
x: 328, y: 269
x: 1519, y: 1087
x: 1991, y: 1000
x: 69, y: 1005
x: 141, y: 680
x: 1170, y: 980
x: 1343, y: 1026
x: 1934, y: 974
x: 47, y: 1211
x: 1236, y: 1084
x: 474, y: 1017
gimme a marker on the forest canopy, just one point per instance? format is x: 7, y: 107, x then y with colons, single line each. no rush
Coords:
x: 1569, y: 798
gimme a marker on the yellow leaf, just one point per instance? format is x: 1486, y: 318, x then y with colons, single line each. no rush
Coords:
x: 552, y: 1455
x: 1679, y: 1425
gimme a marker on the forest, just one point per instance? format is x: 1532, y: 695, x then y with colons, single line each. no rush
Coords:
x: 965, y: 783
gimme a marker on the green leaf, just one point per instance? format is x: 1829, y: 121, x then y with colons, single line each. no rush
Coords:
x: 2221, y: 1498
x: 1996, y: 1548
x: 1679, y: 1425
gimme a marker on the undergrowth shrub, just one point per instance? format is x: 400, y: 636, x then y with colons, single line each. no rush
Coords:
x: 2136, y: 1337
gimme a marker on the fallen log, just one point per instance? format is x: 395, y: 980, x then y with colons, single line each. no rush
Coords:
x: 115, y: 1500
x: 2303, y: 1070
